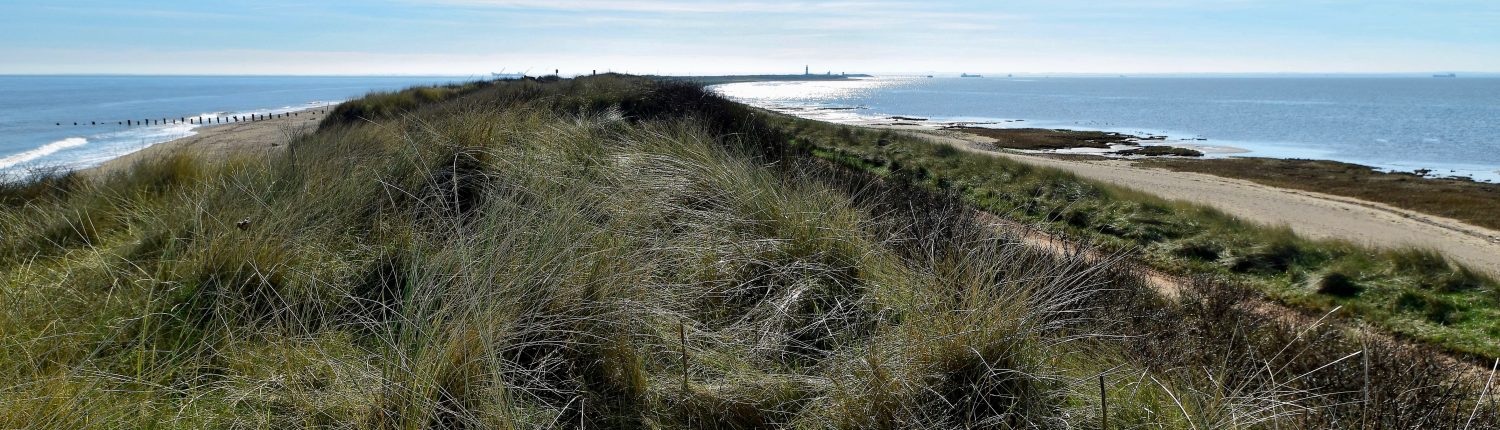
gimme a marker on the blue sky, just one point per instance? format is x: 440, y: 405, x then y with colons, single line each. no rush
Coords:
x: 747, y: 36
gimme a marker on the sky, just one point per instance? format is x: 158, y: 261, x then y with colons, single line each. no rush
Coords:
x: 682, y: 37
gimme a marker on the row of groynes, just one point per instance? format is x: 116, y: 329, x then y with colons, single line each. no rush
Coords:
x: 199, y: 120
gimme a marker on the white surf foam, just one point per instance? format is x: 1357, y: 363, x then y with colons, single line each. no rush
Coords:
x: 42, y: 151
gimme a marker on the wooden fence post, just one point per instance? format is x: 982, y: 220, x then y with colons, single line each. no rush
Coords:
x: 1103, y: 405
x: 682, y: 340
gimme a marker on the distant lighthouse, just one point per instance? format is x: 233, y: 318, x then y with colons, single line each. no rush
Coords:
x: 806, y: 70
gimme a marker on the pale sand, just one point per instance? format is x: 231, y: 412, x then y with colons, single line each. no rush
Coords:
x: 1313, y: 215
x: 219, y: 141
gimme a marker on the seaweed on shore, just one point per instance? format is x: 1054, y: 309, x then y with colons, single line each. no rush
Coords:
x: 1045, y: 139
x: 1162, y: 150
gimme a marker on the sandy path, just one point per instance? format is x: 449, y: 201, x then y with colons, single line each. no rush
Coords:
x: 1312, y: 215
x: 214, y: 142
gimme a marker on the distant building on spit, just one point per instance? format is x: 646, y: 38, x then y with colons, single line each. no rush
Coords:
x: 807, y: 71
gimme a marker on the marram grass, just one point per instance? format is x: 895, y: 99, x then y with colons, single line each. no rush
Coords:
x: 614, y: 252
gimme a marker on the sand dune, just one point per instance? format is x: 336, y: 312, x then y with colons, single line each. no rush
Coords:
x: 1309, y: 214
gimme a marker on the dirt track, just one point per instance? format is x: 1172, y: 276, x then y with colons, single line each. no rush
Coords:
x: 1312, y: 215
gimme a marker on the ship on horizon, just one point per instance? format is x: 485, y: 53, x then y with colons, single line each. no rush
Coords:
x: 1445, y: 75
x: 966, y: 75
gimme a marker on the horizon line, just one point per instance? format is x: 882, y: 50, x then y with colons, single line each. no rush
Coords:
x: 876, y: 74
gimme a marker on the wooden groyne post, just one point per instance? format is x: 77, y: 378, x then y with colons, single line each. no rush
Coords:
x: 198, y: 120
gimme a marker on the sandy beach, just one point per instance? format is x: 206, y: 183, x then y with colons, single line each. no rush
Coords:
x: 1310, y: 214
x: 216, y: 141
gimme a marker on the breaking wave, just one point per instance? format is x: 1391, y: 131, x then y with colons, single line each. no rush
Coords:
x: 42, y: 151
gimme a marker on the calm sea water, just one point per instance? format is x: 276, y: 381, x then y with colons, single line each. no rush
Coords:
x: 1449, y: 125
x: 32, y: 106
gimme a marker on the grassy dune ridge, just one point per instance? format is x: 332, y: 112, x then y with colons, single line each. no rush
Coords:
x: 612, y: 252
x: 1413, y: 293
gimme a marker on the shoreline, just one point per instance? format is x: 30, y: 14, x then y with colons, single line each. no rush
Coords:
x: 1309, y: 213
x: 848, y: 115
x: 55, y: 135
x: 219, y: 140
x: 1209, y: 150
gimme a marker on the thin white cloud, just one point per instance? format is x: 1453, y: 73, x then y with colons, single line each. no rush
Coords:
x: 744, y: 36
x: 882, y: 8
x: 147, y: 12
x: 672, y: 6
x: 846, y: 15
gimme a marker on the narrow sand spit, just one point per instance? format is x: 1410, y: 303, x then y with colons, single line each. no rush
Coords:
x: 1313, y: 215
x: 217, y: 141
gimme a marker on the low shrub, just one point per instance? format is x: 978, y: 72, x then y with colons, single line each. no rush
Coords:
x: 1338, y: 284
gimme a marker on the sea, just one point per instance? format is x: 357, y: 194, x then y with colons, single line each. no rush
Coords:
x: 1450, y: 126
x: 52, y: 123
